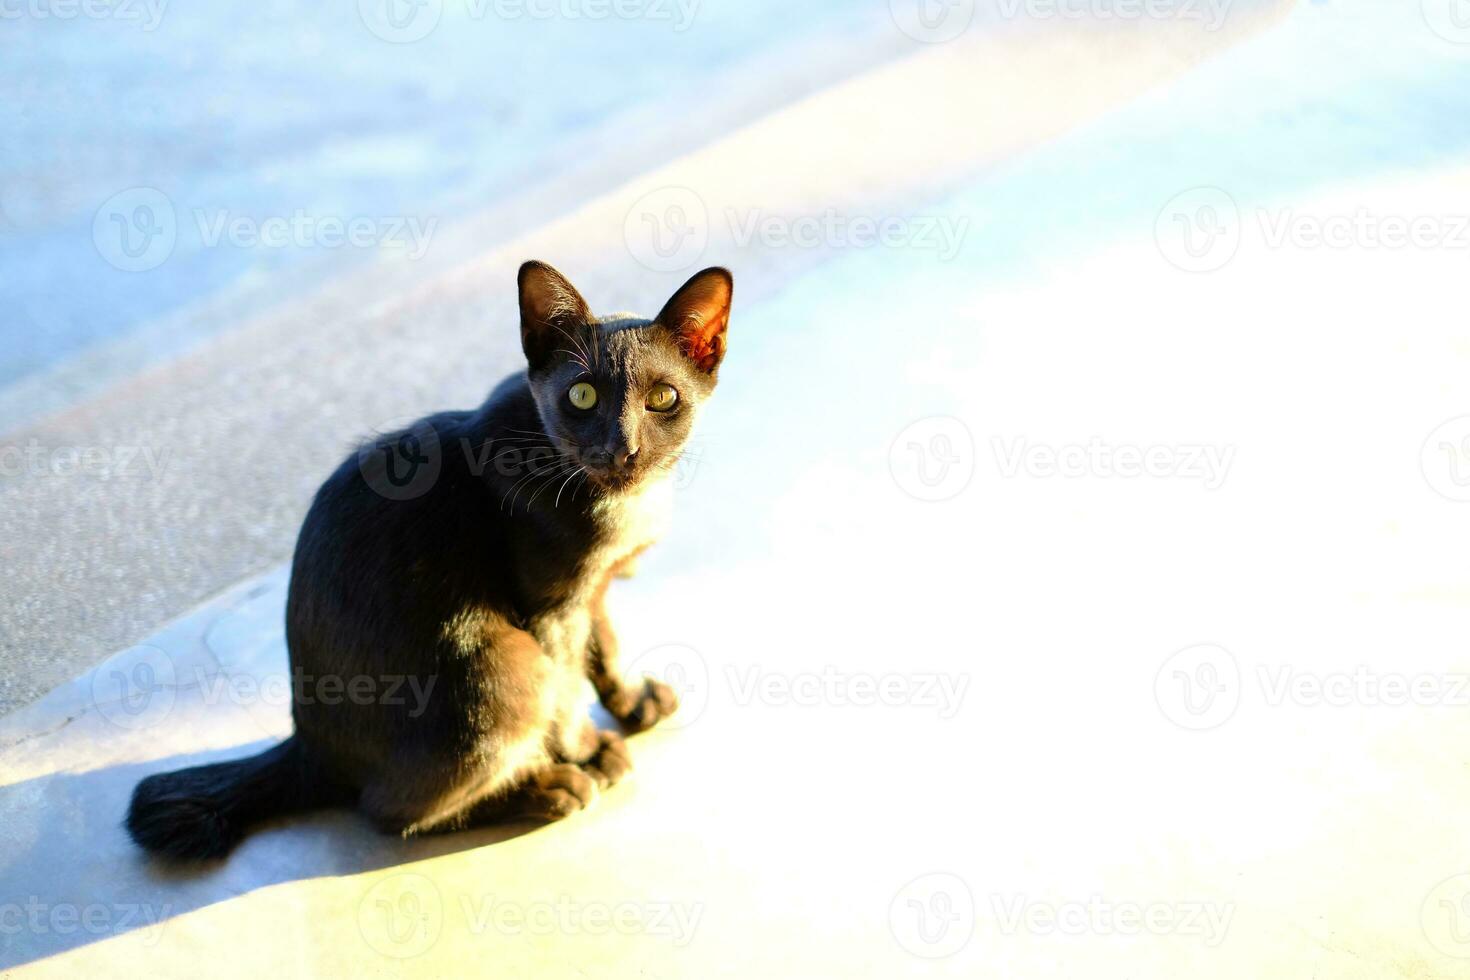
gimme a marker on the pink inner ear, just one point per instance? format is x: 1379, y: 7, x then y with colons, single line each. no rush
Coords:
x: 704, y: 342
x: 700, y: 314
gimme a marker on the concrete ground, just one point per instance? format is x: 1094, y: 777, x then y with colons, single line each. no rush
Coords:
x: 1081, y: 599
x: 206, y: 429
x: 125, y: 508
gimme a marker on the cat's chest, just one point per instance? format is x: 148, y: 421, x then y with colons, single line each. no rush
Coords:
x: 623, y: 526
x: 628, y: 524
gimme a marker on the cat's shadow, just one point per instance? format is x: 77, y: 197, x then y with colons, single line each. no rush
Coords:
x: 73, y: 877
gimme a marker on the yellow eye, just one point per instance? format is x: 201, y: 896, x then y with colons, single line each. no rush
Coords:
x: 661, y: 398
x: 582, y: 395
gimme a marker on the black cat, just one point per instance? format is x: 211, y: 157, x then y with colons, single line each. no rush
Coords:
x: 469, y: 555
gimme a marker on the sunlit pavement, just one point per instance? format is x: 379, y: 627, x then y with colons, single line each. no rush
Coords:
x: 200, y: 467
x: 173, y: 457
x: 1069, y: 587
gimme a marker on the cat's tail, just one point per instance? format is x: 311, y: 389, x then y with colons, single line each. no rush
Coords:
x: 202, y: 813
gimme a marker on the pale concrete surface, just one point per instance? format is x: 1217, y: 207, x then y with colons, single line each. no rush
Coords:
x: 229, y: 441
x: 249, y: 111
x: 1009, y: 783
x: 950, y: 707
x: 202, y: 481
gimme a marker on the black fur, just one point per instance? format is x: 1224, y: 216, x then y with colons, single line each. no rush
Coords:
x: 456, y: 570
x: 202, y: 813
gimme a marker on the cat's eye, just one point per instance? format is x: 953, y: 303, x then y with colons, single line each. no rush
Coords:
x: 582, y: 395
x: 661, y: 398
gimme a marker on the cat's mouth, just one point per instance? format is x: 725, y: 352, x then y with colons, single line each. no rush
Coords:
x: 611, y: 480
x: 611, y: 473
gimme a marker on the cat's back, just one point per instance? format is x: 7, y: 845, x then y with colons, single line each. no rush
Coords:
x: 424, y: 467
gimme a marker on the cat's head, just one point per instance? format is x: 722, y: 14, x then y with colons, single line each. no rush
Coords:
x: 620, y: 393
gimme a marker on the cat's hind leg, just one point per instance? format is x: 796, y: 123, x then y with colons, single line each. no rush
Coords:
x: 558, y: 790
x: 483, y: 735
x: 529, y: 783
x: 429, y: 794
x: 570, y: 783
x: 587, y: 760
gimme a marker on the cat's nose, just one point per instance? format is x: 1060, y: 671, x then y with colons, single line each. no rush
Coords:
x: 620, y: 458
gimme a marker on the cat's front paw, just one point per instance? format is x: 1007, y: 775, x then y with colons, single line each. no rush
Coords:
x: 640, y: 708
x: 611, y: 762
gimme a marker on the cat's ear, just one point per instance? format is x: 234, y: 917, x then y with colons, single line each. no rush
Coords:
x: 553, y: 313
x: 699, y: 315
